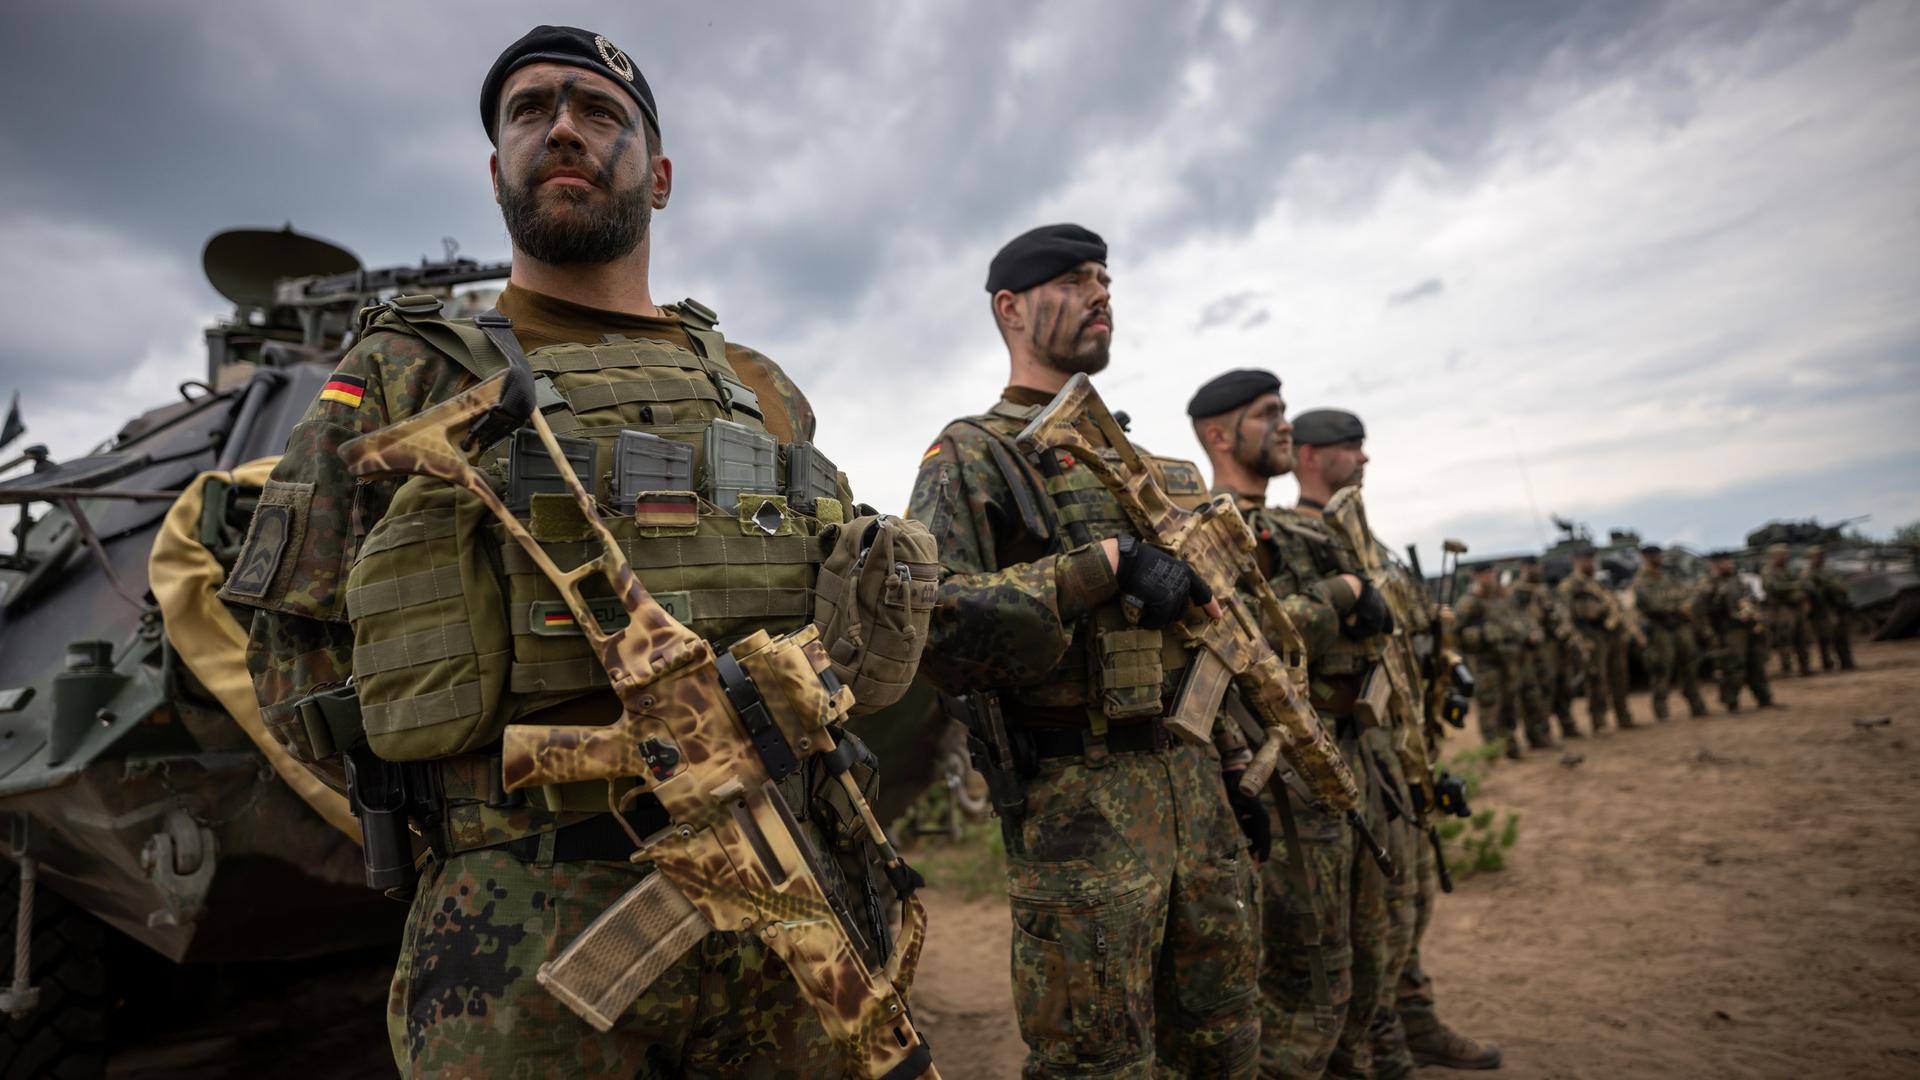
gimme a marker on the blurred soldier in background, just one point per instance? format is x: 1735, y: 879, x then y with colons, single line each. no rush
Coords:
x: 1671, y: 653
x: 1494, y: 632
x: 1734, y: 631
x: 1597, y: 616
x: 1786, y: 610
x: 1566, y: 651
x: 1531, y: 597
x: 1827, y: 609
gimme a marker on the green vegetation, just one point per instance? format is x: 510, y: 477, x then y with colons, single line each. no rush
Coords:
x: 1477, y: 845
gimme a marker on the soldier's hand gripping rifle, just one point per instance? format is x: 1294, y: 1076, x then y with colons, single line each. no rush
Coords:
x: 1414, y: 723
x: 1218, y: 544
x: 710, y: 735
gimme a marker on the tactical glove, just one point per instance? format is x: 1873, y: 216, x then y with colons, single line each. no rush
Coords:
x: 1252, y: 815
x: 1368, y: 616
x: 1155, y: 587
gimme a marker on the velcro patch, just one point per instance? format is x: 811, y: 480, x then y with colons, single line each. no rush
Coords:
x: 272, y: 525
x: 666, y: 508
x: 343, y: 389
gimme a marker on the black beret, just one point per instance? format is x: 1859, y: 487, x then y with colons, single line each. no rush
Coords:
x: 564, y: 45
x: 1040, y: 255
x: 1224, y: 393
x: 1582, y: 550
x: 1653, y: 549
x: 1325, y: 427
x: 1529, y: 560
x: 1720, y: 554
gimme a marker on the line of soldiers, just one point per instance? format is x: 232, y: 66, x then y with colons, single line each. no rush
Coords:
x: 1157, y: 930
x: 1530, y: 646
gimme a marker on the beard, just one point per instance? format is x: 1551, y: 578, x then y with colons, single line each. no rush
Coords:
x: 1266, y: 458
x: 565, y: 230
x: 1081, y: 354
x: 1090, y: 361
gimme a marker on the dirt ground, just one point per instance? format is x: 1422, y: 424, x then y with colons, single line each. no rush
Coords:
x: 1737, y: 896
x: 1728, y: 897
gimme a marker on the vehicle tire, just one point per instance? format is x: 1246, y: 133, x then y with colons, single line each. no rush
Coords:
x: 65, y: 1036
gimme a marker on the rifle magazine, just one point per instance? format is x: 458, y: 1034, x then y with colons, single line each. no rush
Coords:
x: 613, y: 961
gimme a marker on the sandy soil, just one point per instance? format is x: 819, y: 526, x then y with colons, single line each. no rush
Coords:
x: 1727, y: 897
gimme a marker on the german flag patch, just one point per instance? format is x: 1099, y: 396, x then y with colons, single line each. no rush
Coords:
x: 932, y: 452
x: 348, y: 390
x: 557, y: 620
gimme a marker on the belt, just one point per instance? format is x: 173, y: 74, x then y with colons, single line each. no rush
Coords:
x: 1061, y: 742
x: 597, y: 838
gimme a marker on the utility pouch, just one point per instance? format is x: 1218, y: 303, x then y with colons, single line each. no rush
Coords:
x: 873, y: 600
x: 431, y: 647
x: 1374, y: 707
x: 1130, y: 672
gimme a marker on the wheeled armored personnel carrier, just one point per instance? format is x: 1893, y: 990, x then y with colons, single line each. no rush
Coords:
x: 142, y: 799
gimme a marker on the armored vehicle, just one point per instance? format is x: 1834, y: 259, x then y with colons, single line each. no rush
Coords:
x: 1883, y: 580
x: 143, y: 799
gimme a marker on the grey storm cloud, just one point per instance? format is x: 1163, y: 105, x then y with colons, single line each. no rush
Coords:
x: 818, y: 147
x: 1237, y: 308
x: 1425, y: 290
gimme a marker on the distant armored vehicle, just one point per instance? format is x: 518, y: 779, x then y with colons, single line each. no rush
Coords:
x: 1883, y: 580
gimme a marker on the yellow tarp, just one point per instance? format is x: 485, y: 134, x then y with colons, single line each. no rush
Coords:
x: 184, y: 577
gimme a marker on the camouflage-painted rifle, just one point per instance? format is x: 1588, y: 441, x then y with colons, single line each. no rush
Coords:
x: 710, y: 735
x: 1218, y: 544
x: 1346, y: 513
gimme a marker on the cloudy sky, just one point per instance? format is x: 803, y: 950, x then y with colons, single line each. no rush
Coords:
x: 1651, y: 264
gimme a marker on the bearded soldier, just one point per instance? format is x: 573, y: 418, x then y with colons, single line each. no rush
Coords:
x: 447, y: 633
x: 1671, y: 652
x: 1726, y: 613
x: 1598, y: 618
x: 1786, y: 595
x: 1827, y: 610
x: 1133, y: 896
x: 1337, y: 934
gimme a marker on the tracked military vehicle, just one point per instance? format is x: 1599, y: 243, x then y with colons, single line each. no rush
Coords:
x: 1883, y: 580
x: 142, y: 799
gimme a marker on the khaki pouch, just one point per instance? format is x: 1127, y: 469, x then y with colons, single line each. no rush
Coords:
x: 1130, y: 672
x: 430, y: 646
x: 872, y: 602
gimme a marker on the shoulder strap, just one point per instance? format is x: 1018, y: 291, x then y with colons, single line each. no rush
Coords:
x: 701, y: 324
x: 1035, y: 513
x: 462, y: 342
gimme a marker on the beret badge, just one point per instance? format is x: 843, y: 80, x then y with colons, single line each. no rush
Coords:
x: 614, y: 58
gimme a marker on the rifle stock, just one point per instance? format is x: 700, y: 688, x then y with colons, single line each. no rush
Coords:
x: 709, y: 736
x: 1218, y: 544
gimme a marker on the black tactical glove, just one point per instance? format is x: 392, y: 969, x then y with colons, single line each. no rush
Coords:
x: 1368, y: 616
x: 1252, y: 815
x: 1156, y: 587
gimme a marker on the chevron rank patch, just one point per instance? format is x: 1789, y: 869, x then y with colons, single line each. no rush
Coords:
x: 348, y: 390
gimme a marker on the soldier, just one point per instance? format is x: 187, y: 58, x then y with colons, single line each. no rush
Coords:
x: 1726, y: 613
x: 1566, y: 650
x: 1493, y: 632
x: 1828, y: 607
x: 1786, y: 610
x: 1327, y: 918
x: 1529, y: 596
x: 1134, y: 900
x: 1598, y: 618
x: 578, y: 171
x: 1671, y: 651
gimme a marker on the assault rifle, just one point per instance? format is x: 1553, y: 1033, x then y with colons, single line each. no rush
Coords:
x: 710, y: 735
x: 1415, y: 732
x: 1218, y: 544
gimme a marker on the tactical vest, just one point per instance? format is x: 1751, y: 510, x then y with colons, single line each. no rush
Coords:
x: 1111, y: 670
x: 457, y: 633
x: 1346, y: 658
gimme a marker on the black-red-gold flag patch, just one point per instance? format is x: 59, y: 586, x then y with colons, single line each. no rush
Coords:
x: 348, y: 390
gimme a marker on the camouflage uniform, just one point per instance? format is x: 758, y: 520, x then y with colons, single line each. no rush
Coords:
x: 1592, y: 608
x: 1493, y: 632
x: 1828, y: 607
x: 1786, y: 616
x: 1134, y: 900
x: 1536, y: 668
x: 1724, y: 610
x: 1352, y: 907
x: 1671, y: 650
x: 494, y: 902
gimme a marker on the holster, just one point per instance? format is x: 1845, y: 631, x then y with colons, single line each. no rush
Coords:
x: 998, y: 754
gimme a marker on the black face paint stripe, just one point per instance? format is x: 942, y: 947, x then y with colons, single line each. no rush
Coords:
x: 618, y: 151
